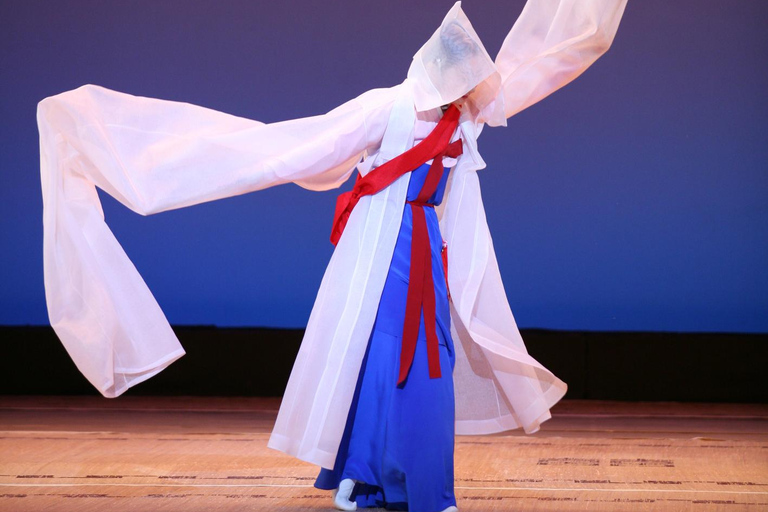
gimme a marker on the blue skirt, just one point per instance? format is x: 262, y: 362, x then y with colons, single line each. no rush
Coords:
x: 399, y: 440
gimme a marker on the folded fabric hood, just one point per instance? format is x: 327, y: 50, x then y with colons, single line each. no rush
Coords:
x: 454, y: 63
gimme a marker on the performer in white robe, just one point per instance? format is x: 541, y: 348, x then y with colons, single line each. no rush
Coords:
x: 154, y: 155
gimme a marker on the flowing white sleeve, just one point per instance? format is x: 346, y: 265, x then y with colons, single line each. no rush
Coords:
x: 154, y: 155
x: 552, y: 43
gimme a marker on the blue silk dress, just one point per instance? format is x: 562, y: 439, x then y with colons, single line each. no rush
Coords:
x: 399, y: 440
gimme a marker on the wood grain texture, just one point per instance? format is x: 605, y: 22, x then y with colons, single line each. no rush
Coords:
x: 200, y: 454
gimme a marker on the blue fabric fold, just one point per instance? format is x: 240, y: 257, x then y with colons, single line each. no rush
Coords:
x: 398, y: 441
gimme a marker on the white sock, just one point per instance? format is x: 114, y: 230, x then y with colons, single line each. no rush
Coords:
x: 341, y: 495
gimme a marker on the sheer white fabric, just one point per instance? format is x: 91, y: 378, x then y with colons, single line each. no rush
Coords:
x: 154, y: 155
x: 454, y: 63
x: 552, y: 43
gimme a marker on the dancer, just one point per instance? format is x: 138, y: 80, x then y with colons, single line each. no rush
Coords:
x: 396, y: 332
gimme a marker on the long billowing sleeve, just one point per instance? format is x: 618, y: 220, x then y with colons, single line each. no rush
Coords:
x: 501, y: 386
x: 552, y: 43
x: 154, y: 155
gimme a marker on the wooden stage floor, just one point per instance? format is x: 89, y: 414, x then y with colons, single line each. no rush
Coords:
x: 204, y: 454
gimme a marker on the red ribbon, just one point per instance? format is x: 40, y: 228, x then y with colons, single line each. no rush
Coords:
x: 421, y: 290
x: 381, y: 177
x: 445, y: 268
x: 421, y: 287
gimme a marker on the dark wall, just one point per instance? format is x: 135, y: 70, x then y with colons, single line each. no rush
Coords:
x: 652, y: 366
x: 634, y: 199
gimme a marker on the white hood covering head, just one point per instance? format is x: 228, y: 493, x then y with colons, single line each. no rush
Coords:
x: 454, y: 63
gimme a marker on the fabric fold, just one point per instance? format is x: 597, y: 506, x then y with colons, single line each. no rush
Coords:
x: 154, y: 155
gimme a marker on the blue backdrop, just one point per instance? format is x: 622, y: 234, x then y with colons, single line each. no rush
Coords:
x: 636, y: 198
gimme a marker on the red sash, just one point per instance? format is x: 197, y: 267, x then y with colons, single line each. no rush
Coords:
x: 421, y: 286
x: 421, y: 295
x: 434, y: 146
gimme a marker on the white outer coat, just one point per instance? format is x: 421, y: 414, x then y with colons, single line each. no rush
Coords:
x: 154, y: 155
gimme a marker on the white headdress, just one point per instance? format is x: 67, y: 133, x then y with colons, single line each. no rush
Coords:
x: 454, y: 63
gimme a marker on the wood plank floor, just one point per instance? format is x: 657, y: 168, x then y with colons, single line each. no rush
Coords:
x: 203, y: 454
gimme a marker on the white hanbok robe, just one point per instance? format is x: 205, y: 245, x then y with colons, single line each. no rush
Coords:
x: 154, y: 155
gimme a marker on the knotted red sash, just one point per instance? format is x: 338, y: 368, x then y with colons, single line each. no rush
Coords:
x: 421, y: 286
x: 421, y: 294
x: 381, y: 177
